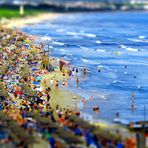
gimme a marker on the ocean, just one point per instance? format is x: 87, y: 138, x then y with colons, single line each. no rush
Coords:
x: 114, y: 42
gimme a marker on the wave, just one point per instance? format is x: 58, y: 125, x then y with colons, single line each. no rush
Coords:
x: 58, y: 43
x: 131, y: 49
x: 51, y: 47
x: 128, y: 48
x: 141, y: 37
x: 98, y: 42
x: 88, y: 35
x: 101, y: 50
x: 85, y: 48
x: 47, y: 38
x: 122, y: 46
x: 62, y: 50
x: 118, y: 81
x: 138, y: 40
x: 91, y: 62
x: 60, y: 30
x: 71, y: 33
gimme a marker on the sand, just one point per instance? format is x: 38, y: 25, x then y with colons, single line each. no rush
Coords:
x: 21, y: 22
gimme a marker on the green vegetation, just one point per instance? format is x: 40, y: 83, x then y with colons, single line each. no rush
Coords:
x: 9, y: 13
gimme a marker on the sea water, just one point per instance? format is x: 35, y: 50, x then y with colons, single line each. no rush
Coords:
x: 116, y: 43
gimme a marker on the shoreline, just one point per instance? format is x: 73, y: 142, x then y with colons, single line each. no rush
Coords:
x: 22, y: 22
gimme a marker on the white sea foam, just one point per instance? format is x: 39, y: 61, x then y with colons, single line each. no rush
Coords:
x: 50, y: 47
x: 131, y: 49
x: 101, y: 50
x: 72, y: 33
x: 138, y: 40
x: 98, y: 42
x: 128, y: 48
x: 122, y: 46
x: 47, y: 38
x: 103, y: 97
x: 100, y: 66
x: 58, y: 43
x: 85, y: 48
x: 141, y: 37
x: 88, y: 35
x: 91, y: 62
x: 63, y: 50
x: 60, y: 30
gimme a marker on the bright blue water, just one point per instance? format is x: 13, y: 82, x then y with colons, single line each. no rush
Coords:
x: 110, y: 40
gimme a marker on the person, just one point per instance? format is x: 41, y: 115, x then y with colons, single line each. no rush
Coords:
x: 51, y: 81
x: 84, y: 70
x: 63, y: 83
x: 56, y: 83
x: 96, y: 109
x: 73, y: 72
x: 91, y: 98
x: 132, y: 106
x: 139, y: 87
x: 84, y: 102
x: 99, y: 69
x: 77, y: 81
x: 133, y: 95
x: 117, y: 115
x: 77, y: 71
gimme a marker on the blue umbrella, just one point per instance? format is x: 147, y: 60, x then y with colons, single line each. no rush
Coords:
x: 36, y: 83
x: 34, y: 69
x: 38, y: 78
x: 54, y: 66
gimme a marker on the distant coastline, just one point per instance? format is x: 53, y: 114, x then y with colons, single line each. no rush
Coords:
x: 80, y: 7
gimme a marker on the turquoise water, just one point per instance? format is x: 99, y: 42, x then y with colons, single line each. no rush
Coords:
x: 109, y: 40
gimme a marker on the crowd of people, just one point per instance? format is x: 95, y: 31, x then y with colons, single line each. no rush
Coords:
x: 25, y: 101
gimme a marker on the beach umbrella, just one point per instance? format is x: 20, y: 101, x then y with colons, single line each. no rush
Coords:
x: 34, y: 69
x: 54, y: 66
x: 36, y: 83
x: 38, y: 78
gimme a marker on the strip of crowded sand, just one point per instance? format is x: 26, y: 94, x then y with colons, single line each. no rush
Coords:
x: 60, y: 97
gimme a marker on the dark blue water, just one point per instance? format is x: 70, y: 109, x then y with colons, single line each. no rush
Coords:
x: 111, y: 41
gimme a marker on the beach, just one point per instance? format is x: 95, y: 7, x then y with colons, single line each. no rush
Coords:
x: 35, y: 86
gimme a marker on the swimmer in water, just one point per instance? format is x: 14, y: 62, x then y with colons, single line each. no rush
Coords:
x: 133, y: 95
x: 96, y: 109
x: 84, y: 102
x: 84, y: 70
x: 139, y: 87
x: 77, y: 81
x: 91, y: 98
x: 99, y: 69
